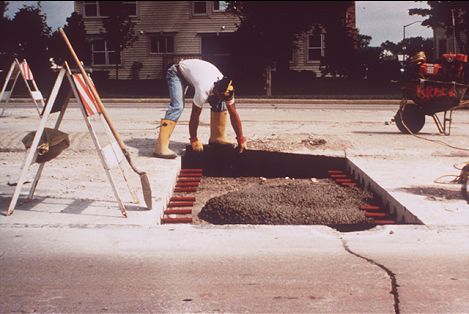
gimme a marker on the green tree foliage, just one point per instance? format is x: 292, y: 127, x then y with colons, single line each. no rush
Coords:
x: 409, y: 47
x: 4, y: 24
x: 3, y: 8
x: 30, y: 34
x: 76, y: 33
x: 268, y: 31
x: 119, y: 29
x: 7, y: 46
x: 441, y: 13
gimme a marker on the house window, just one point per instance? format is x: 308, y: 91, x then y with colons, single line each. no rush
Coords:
x: 199, y: 7
x: 102, y: 8
x: 103, y: 54
x: 219, y: 6
x: 316, y: 47
x: 162, y: 44
x: 90, y: 8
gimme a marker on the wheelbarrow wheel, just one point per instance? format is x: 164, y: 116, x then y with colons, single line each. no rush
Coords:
x: 410, y: 119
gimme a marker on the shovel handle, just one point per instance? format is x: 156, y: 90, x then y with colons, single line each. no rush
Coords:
x: 94, y: 92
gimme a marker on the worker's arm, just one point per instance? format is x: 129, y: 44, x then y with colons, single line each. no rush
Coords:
x: 193, y: 126
x: 236, y: 124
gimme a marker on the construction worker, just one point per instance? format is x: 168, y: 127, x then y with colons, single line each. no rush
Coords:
x: 210, y: 86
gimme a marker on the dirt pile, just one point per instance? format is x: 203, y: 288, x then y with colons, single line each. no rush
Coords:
x: 302, y: 202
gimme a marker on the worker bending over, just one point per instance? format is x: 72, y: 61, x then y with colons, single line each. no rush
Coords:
x: 210, y: 86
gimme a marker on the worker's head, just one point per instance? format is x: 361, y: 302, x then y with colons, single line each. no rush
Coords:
x: 223, y: 88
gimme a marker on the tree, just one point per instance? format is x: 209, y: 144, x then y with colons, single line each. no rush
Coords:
x: 408, y: 46
x: 268, y: 31
x: 30, y: 34
x: 119, y: 28
x: 6, y: 44
x: 3, y: 8
x: 441, y: 14
x: 76, y: 33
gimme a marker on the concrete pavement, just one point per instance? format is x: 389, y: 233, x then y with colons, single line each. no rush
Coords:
x: 77, y: 254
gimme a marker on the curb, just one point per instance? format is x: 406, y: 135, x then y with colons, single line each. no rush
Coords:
x: 165, y: 101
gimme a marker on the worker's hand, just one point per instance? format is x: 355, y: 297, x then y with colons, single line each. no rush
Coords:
x: 230, y: 99
x: 197, y: 145
x: 241, y: 144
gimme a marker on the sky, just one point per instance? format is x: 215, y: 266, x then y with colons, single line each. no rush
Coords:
x: 382, y: 20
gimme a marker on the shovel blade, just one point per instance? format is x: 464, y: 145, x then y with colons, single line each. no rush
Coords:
x: 146, y: 190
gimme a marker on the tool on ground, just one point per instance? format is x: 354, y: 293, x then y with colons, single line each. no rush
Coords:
x: 147, y: 194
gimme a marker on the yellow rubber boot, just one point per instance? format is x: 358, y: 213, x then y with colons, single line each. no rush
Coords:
x: 218, y: 128
x: 162, y: 144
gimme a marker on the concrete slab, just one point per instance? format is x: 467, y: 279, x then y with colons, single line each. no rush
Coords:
x: 418, y: 191
x: 71, y: 251
x: 74, y: 189
x: 403, y: 166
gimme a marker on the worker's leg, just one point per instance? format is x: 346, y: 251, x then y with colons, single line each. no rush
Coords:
x: 218, y: 121
x: 176, y: 93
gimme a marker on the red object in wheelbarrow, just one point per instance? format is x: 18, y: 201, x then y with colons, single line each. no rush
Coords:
x: 434, y: 88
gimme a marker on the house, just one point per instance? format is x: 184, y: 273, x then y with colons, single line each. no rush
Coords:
x: 172, y: 30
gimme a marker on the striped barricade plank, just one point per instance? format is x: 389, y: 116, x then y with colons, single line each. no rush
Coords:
x: 86, y: 97
x: 26, y: 71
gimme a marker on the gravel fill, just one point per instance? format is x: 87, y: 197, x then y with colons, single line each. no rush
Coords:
x: 291, y: 203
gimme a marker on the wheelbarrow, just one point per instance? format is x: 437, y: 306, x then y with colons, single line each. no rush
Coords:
x: 424, y: 97
x: 431, y: 89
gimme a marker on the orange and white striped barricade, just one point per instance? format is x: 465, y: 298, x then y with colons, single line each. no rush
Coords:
x: 23, y: 69
x: 110, y: 155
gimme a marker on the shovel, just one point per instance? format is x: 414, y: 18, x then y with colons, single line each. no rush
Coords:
x: 143, y: 175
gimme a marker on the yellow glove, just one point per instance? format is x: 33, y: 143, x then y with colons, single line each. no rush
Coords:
x: 196, y: 145
x: 242, y: 146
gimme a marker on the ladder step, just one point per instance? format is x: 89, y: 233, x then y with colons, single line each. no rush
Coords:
x: 189, y: 170
x: 370, y: 207
x: 341, y: 180
x: 385, y: 222
x: 190, y: 175
x: 180, y: 204
x: 170, y: 220
x: 185, y: 190
x: 188, y: 180
x: 349, y: 184
x: 375, y: 215
x: 178, y: 212
x: 187, y: 184
x: 335, y: 172
x: 182, y: 199
x: 336, y: 176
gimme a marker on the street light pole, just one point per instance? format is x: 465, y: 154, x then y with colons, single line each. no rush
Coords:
x: 403, y: 37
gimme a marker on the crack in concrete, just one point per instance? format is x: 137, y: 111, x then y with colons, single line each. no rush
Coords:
x: 391, y: 275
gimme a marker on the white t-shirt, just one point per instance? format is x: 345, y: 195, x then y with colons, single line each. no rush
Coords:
x: 201, y: 75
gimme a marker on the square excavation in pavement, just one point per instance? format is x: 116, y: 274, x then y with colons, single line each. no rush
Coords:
x: 221, y: 186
